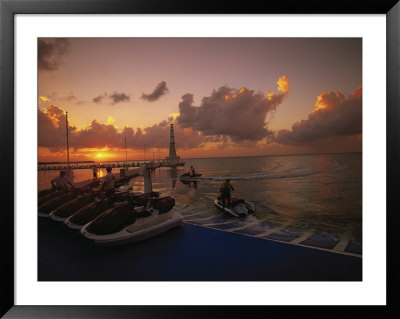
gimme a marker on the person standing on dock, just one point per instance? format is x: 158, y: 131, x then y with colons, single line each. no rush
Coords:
x: 61, y: 182
x: 109, y: 182
x: 225, y: 190
x: 69, y: 175
x: 94, y: 173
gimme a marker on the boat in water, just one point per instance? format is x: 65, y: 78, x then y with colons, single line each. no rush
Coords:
x: 129, y: 222
x: 237, y: 207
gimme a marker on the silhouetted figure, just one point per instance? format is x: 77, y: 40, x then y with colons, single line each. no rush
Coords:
x: 109, y: 182
x: 225, y: 191
x: 94, y: 172
x: 192, y: 172
x: 61, y: 182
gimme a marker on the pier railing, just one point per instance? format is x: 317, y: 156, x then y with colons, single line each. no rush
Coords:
x: 63, y: 166
x: 117, y: 164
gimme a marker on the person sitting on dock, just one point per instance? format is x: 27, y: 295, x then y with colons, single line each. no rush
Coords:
x: 109, y: 182
x: 94, y: 172
x: 225, y: 190
x: 61, y: 182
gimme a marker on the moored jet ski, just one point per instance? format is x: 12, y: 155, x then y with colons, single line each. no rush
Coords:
x: 52, y: 204
x: 45, y: 192
x: 131, y: 223
x: 89, y: 212
x: 57, y: 199
x: 71, y: 207
x: 51, y: 193
x: 238, y: 207
x: 47, y: 196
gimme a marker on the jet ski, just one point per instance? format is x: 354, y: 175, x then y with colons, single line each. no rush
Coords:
x: 71, y: 207
x: 44, y: 197
x: 64, y: 200
x: 51, y: 193
x: 49, y: 206
x: 128, y: 223
x: 238, y: 207
x: 187, y: 177
x: 45, y: 192
x: 89, y: 212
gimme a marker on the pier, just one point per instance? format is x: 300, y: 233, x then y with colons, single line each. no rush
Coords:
x: 116, y: 164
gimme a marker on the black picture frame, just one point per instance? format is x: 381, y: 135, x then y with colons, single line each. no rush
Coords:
x: 9, y: 8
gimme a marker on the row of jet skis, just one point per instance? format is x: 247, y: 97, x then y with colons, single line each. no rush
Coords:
x: 125, y: 217
x: 236, y: 207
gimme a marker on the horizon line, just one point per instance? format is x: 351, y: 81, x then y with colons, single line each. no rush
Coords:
x: 190, y: 158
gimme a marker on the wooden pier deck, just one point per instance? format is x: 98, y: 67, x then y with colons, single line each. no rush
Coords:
x: 136, y: 164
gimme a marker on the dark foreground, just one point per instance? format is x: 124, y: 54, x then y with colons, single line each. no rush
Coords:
x: 187, y: 253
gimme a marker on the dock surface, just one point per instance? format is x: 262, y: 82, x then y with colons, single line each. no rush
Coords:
x: 186, y: 253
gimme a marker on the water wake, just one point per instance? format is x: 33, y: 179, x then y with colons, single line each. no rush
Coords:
x: 292, y: 173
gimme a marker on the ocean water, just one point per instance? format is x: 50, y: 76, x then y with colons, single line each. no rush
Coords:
x: 313, y: 200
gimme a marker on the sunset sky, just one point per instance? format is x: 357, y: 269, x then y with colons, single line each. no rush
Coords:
x: 225, y: 96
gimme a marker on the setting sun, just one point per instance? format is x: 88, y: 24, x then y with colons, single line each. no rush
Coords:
x: 99, y: 155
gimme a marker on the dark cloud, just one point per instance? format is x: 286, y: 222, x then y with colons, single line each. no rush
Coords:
x: 51, y: 128
x: 334, y: 115
x: 51, y: 53
x: 119, y: 97
x: 69, y: 98
x: 237, y: 114
x: 159, y: 91
x: 55, y: 98
x: 99, y: 98
x: 51, y: 135
x: 97, y: 135
x: 114, y: 98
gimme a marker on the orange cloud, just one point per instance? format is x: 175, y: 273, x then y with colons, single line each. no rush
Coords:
x: 44, y: 99
x: 110, y: 120
x: 328, y: 100
x: 173, y: 116
x: 52, y: 135
x: 357, y: 93
x: 333, y: 116
x: 218, y: 114
x: 283, y: 84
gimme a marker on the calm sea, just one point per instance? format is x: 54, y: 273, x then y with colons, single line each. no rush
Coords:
x: 314, y: 197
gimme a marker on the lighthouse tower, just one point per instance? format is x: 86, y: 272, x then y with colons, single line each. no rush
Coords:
x: 172, y: 151
x: 172, y: 159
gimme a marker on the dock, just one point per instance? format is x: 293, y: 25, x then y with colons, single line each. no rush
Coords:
x: 186, y: 253
x: 120, y: 178
x: 117, y: 164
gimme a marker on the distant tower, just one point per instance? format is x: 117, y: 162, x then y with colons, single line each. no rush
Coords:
x: 172, y: 160
x: 172, y: 152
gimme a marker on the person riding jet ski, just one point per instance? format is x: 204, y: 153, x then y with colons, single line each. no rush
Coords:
x: 225, y: 191
x: 192, y: 171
